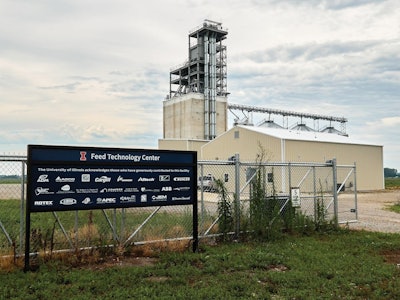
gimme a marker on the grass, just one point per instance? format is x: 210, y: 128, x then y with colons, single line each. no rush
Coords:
x: 392, y: 183
x: 395, y: 207
x: 10, y: 180
x: 341, y: 265
x: 88, y: 228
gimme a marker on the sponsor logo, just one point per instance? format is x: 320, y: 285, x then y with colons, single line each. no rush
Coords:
x: 143, y: 198
x: 87, y: 191
x: 85, y: 178
x: 83, y: 156
x: 41, y: 190
x: 166, y: 189
x: 43, y: 203
x: 159, y: 198
x: 181, y: 198
x: 144, y: 189
x: 102, y: 179
x: 131, y: 198
x: 66, y: 188
x: 111, y: 190
x: 183, y: 188
x: 86, y: 200
x: 181, y: 178
x: 122, y: 179
x: 68, y: 201
x: 43, y: 178
x: 106, y: 200
x: 164, y: 178
x: 145, y: 179
x: 130, y: 190
x: 60, y: 179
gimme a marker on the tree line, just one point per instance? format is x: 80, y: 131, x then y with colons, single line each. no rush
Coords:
x: 388, y: 172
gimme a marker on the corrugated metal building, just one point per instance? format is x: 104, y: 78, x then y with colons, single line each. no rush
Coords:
x: 282, y: 145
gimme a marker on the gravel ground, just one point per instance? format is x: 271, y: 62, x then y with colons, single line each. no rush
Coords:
x: 373, y: 214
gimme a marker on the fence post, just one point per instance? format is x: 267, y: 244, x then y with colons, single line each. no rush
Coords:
x: 22, y: 207
x: 201, y: 197
x: 315, y: 194
x: 355, y: 190
x: 290, y: 180
x: 335, y: 195
x: 237, y: 194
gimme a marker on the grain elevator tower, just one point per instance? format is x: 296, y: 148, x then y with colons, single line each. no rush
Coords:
x: 196, y: 106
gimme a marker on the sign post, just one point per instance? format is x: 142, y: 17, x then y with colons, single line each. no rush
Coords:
x: 62, y: 178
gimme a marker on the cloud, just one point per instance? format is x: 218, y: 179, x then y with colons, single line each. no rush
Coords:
x: 97, y: 72
x: 108, y: 108
x: 387, y: 122
x: 335, y: 71
x: 345, y: 4
x: 325, y: 4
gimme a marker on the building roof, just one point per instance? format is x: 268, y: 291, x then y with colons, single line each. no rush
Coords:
x: 288, y: 134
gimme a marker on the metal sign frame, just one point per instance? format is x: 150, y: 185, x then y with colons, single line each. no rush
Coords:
x: 65, y: 178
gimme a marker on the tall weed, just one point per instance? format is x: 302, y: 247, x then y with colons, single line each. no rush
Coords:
x: 225, y: 212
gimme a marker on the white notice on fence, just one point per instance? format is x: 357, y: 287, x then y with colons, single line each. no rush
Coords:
x: 296, y: 202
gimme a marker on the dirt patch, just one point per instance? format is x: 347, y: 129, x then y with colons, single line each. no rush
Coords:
x: 109, y: 262
x: 278, y: 268
x: 392, y: 256
x: 157, y: 278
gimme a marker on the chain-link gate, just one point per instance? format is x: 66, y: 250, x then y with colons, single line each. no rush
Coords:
x: 325, y: 191
x: 326, y: 186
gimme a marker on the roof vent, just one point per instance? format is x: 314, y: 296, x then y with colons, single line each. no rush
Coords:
x: 302, y: 127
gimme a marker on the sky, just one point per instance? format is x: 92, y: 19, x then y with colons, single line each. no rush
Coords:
x: 95, y: 73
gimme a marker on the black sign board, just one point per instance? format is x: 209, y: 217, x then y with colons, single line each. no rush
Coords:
x: 78, y: 178
x: 62, y: 178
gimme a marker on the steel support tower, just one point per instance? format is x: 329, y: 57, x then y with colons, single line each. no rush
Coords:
x: 204, y: 72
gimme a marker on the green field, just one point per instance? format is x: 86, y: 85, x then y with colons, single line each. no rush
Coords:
x: 333, y: 264
x: 10, y: 179
x: 391, y: 183
x: 341, y: 265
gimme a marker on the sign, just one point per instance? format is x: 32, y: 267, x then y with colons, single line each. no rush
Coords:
x: 80, y: 178
x: 62, y: 178
x: 295, y: 197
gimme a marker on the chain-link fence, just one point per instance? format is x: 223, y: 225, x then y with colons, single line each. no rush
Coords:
x: 309, y: 188
x: 316, y: 191
x: 12, y: 203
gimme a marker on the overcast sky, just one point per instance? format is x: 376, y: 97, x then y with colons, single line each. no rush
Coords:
x: 95, y: 73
